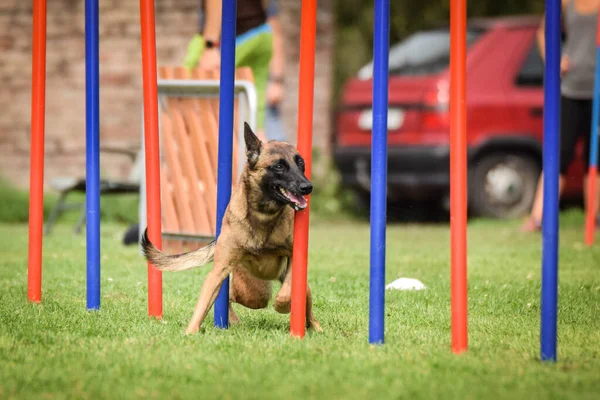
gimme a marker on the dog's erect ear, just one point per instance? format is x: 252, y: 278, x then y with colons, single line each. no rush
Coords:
x: 253, y: 145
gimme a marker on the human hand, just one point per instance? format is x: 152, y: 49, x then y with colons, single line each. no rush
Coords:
x: 210, y: 59
x: 274, y: 93
x: 564, y: 65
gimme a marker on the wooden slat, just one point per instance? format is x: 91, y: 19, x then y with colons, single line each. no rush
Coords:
x: 202, y: 165
x: 203, y: 170
x: 189, y: 173
x: 208, y: 112
x: 170, y: 222
x: 182, y: 198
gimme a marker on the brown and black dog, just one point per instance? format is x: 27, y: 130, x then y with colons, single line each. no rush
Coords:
x: 255, y: 243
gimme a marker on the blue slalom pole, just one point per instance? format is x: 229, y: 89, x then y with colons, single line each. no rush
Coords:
x: 224, y: 169
x: 551, y: 172
x: 379, y: 170
x: 92, y: 157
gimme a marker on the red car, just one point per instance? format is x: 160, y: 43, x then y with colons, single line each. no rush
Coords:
x: 504, y: 119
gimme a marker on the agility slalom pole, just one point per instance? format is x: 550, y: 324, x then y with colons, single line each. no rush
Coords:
x: 592, y: 192
x: 381, y: 36
x: 225, y: 156
x: 306, y: 86
x: 458, y: 174
x: 151, y: 145
x: 36, y: 163
x: 92, y: 156
x: 551, y: 171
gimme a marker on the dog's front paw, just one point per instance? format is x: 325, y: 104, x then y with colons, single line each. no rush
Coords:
x: 191, y: 330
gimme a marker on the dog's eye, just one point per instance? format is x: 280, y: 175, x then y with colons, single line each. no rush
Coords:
x: 280, y: 166
x: 300, y: 162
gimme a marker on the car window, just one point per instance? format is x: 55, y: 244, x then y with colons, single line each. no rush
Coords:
x: 422, y: 53
x: 532, y: 70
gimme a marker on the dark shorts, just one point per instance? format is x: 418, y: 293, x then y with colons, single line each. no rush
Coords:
x: 575, y: 124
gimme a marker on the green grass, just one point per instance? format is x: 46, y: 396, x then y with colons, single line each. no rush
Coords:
x: 59, y: 350
x: 121, y: 208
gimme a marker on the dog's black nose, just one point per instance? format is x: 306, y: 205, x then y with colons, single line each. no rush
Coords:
x: 306, y: 188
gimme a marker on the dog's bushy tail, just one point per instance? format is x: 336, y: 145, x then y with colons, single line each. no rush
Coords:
x: 177, y: 262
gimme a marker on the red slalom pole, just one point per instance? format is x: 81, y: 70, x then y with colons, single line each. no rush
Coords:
x: 590, y: 215
x: 308, y: 27
x: 458, y: 173
x: 592, y: 188
x: 151, y: 143
x: 36, y: 163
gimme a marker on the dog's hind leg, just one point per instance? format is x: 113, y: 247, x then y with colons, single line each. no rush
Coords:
x: 250, y: 291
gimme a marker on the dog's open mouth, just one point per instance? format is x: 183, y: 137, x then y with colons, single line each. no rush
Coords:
x: 296, y: 200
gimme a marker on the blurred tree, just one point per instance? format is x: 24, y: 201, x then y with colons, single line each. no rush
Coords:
x: 354, y: 25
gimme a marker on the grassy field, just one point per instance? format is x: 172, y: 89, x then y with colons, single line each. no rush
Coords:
x: 59, y: 350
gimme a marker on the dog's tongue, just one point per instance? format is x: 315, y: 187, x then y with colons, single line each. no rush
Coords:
x: 297, y: 199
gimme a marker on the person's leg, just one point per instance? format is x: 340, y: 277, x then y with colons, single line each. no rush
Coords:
x: 570, y: 117
x: 534, y: 222
x: 254, y: 51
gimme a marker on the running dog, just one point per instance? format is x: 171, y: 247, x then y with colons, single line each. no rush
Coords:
x: 255, y: 243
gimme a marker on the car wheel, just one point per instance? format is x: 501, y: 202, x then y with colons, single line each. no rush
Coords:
x: 503, y: 185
